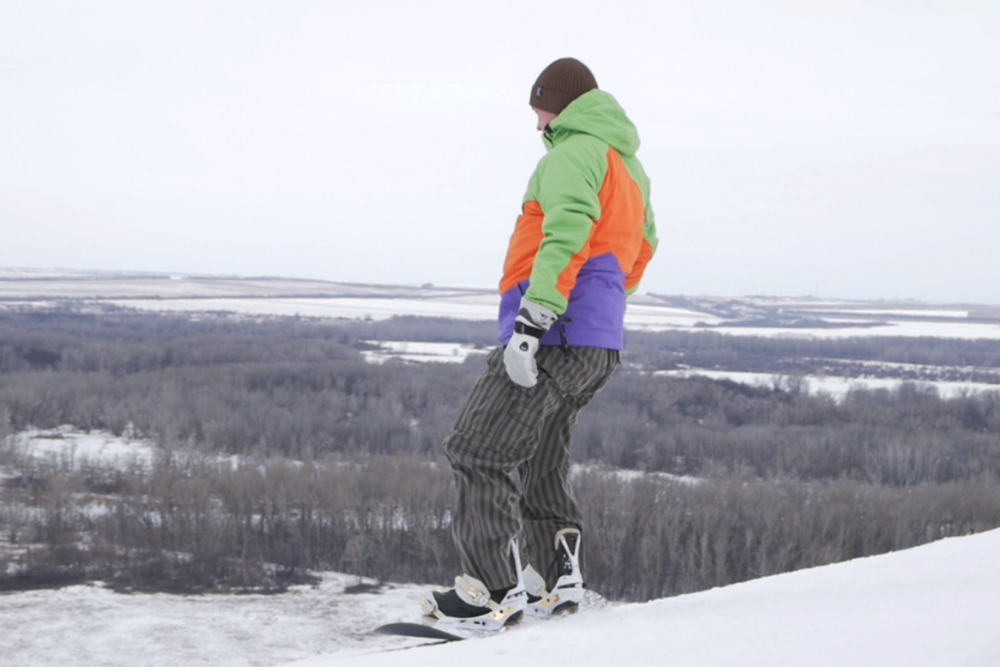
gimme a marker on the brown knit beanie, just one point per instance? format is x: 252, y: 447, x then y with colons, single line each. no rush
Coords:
x: 560, y: 83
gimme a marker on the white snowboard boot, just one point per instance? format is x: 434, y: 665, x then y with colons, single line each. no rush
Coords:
x: 470, y: 607
x: 568, y: 592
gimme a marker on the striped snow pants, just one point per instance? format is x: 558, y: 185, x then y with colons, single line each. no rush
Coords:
x: 509, y: 451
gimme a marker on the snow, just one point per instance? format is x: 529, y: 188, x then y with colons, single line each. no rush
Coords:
x: 897, y: 312
x: 420, y: 352
x: 839, y: 386
x: 66, y: 445
x: 645, y: 316
x: 835, y: 386
x: 349, y: 308
x: 16, y: 273
x: 89, y: 626
x: 902, y: 328
x: 931, y: 605
x: 104, y: 285
x: 630, y: 475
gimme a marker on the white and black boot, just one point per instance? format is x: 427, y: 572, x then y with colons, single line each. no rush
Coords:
x: 470, y: 607
x: 568, y: 591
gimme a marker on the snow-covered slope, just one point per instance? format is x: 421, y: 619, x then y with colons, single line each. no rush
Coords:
x: 934, y: 605
x: 90, y: 626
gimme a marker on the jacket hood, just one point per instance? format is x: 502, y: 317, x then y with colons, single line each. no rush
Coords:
x: 598, y: 114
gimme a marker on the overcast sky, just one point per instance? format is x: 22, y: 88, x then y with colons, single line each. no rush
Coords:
x: 839, y: 149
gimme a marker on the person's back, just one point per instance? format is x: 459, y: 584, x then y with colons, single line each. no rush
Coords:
x: 586, y: 231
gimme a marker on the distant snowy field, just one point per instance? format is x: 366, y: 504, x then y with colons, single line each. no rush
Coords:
x: 277, y: 297
x: 752, y: 316
x: 637, y: 316
x: 932, y: 605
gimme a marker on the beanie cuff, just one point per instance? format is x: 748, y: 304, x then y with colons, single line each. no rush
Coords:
x: 551, y: 100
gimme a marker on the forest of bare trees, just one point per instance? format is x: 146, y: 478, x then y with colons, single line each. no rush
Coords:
x: 339, y: 463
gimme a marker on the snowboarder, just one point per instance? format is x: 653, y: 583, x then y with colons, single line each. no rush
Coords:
x: 579, y: 247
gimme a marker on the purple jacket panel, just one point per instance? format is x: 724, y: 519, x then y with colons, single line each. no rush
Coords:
x: 596, y: 311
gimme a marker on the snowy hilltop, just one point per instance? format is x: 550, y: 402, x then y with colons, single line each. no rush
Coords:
x: 931, y: 605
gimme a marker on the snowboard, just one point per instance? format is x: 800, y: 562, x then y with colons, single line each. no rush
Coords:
x: 590, y: 601
x: 417, y: 630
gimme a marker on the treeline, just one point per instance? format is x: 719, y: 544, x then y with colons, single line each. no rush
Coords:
x: 901, y: 437
x: 300, y: 410
x: 932, y: 358
x: 191, y: 525
x: 300, y: 389
x: 71, y: 341
x: 648, y: 539
x: 292, y: 388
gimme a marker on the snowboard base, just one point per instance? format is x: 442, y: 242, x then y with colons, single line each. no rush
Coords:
x: 417, y: 630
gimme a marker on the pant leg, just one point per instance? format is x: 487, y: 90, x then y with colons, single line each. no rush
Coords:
x: 547, y: 503
x: 498, y: 429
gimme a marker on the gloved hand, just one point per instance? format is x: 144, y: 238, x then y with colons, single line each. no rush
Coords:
x: 519, y: 356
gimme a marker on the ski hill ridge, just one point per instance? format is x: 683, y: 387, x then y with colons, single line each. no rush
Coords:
x: 931, y: 605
